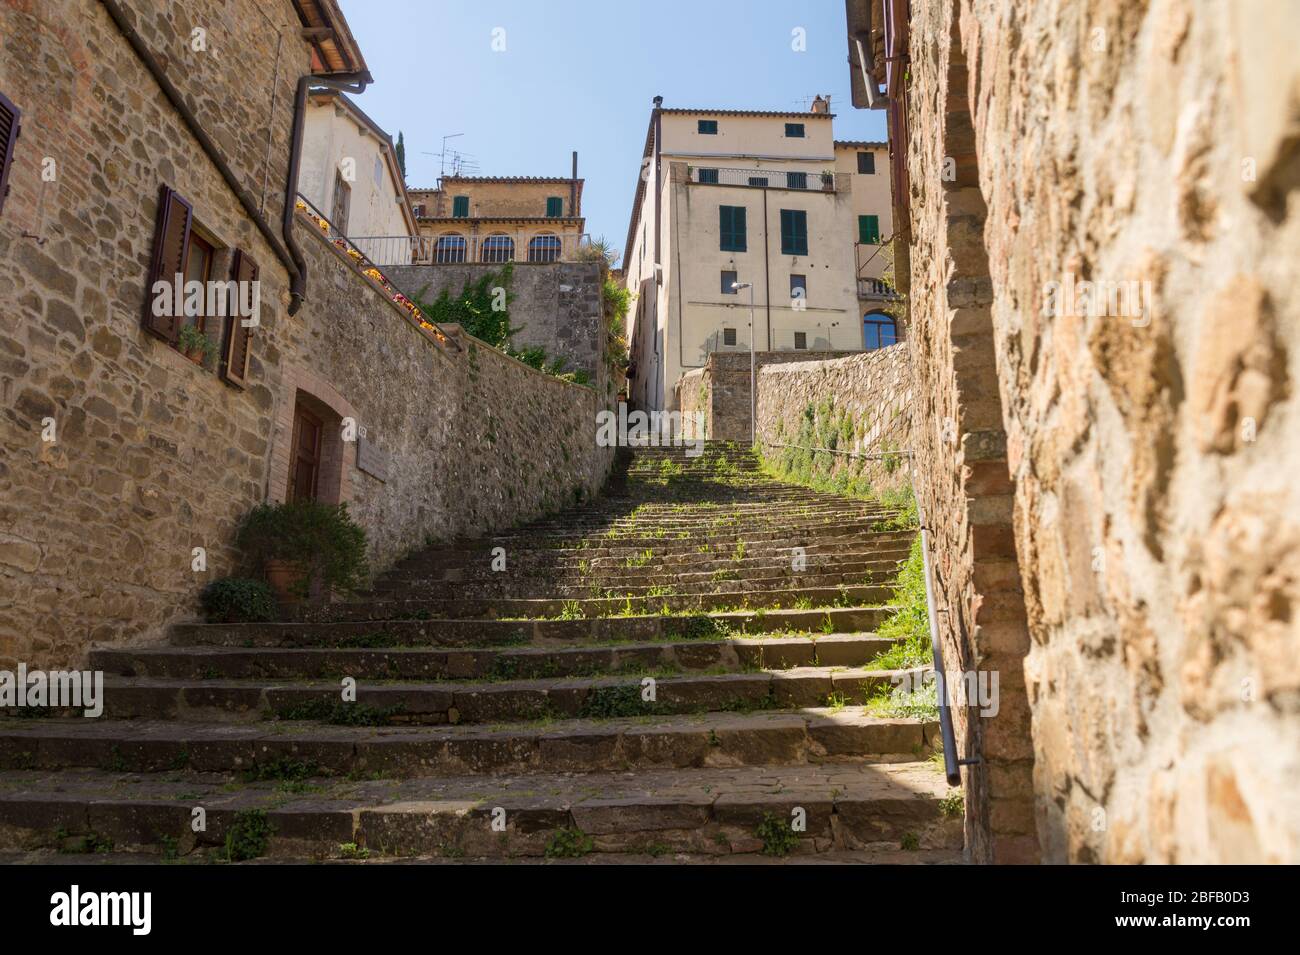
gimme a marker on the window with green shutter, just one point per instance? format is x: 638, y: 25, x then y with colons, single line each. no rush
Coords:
x: 796, y: 180
x: 709, y: 175
x: 867, y: 163
x: 794, y: 232
x: 731, y: 228
x: 460, y: 207
x: 869, y: 230
x: 707, y: 127
x: 794, y: 130
x: 554, y: 207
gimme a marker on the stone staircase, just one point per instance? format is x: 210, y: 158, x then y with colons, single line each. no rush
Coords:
x: 651, y: 675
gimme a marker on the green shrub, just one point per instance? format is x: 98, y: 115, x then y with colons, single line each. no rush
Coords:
x: 237, y: 600
x: 322, y: 538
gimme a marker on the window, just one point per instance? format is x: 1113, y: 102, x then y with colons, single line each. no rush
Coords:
x: 796, y: 180
x: 794, y: 232
x: 9, y: 125
x: 460, y: 207
x: 794, y: 130
x: 869, y: 230
x: 867, y: 163
x: 728, y: 336
x: 798, y: 286
x: 554, y: 207
x: 878, y: 331
x: 179, y: 249
x: 418, y: 210
x: 728, y: 280
x: 731, y: 228
x: 342, y: 203
x: 498, y: 248
x: 449, y: 248
x: 707, y: 127
x: 544, y: 248
x: 709, y: 175
x: 800, y: 339
x: 758, y: 180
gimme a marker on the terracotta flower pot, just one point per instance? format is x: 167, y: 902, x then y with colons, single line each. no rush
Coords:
x: 286, y: 579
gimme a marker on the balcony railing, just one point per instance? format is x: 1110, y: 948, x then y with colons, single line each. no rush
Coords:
x: 453, y: 248
x: 808, y: 181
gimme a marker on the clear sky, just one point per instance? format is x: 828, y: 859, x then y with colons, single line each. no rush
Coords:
x: 580, y: 74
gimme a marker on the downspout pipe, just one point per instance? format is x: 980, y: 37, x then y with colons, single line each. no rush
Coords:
x: 344, y: 83
x: 145, y: 55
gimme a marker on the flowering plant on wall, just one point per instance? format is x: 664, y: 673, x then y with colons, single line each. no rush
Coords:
x: 360, y: 262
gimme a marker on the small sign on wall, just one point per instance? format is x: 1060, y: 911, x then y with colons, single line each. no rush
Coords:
x: 371, y: 458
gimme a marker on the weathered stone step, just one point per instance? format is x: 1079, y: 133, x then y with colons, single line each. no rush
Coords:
x: 488, y: 633
x: 706, y: 811
x: 723, y: 535
x: 425, y: 663
x: 507, y: 607
x: 268, y: 751
x: 435, y: 703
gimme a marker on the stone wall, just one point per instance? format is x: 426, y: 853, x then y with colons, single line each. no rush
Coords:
x: 556, y: 306
x: 720, y: 389
x: 120, y: 456
x: 860, y: 404
x: 1152, y: 454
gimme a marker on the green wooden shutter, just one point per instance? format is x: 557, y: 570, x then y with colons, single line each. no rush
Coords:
x: 731, y: 228
x: 794, y: 232
x: 554, y: 207
x: 460, y: 207
x: 869, y: 230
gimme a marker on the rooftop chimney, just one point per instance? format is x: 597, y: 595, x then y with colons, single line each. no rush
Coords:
x: 821, y: 104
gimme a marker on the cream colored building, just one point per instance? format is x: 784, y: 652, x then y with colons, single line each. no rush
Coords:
x: 737, y: 196
x: 349, y: 172
x: 501, y: 219
x: 873, y: 227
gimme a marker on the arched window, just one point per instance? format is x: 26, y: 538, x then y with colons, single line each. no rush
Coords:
x: 449, y: 248
x: 878, y: 330
x: 498, y: 248
x: 544, y: 248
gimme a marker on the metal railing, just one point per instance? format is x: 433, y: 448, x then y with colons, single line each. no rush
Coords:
x: 951, y: 764
x: 453, y: 248
x: 808, y: 181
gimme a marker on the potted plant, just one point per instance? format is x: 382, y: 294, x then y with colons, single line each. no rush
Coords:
x: 306, y: 549
x: 828, y: 181
x: 195, y: 345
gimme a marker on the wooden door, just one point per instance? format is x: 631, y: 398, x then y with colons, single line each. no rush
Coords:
x: 306, y: 453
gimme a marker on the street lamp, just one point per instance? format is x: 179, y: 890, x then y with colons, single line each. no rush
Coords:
x: 753, y: 388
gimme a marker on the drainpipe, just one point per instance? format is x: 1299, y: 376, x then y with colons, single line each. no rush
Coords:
x: 145, y: 55
x: 344, y: 83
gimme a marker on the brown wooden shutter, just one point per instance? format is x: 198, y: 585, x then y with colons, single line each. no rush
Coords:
x: 171, y: 240
x: 9, y: 128
x: 239, y: 337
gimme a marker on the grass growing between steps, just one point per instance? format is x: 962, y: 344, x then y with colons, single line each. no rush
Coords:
x: 910, y: 624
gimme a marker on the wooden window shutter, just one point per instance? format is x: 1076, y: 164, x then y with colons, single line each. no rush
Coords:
x: 239, y: 337
x: 171, y: 240
x: 9, y: 129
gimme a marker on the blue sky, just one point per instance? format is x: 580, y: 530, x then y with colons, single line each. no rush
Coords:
x: 580, y: 74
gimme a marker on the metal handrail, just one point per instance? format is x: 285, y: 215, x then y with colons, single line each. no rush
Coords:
x: 951, y: 764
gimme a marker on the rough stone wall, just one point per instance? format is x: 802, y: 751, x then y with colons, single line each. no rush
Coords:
x: 963, y: 485
x: 556, y: 306
x: 721, y: 388
x: 1157, y: 515
x: 151, y: 455
x: 859, y: 404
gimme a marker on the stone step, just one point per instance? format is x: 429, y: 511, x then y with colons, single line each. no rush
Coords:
x: 708, y: 811
x: 508, y: 607
x: 491, y: 633
x: 425, y: 663
x: 280, y: 751
x: 436, y: 703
